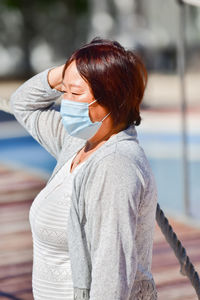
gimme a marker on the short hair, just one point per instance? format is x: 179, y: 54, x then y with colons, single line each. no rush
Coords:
x: 116, y: 77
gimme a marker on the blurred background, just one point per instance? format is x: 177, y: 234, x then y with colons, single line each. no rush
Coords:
x: 39, y: 34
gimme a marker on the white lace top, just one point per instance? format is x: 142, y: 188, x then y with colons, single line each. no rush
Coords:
x: 51, y: 276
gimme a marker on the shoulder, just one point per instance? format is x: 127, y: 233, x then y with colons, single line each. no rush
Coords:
x: 116, y: 168
x: 125, y: 158
x: 118, y: 159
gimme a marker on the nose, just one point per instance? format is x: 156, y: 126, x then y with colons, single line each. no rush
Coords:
x: 68, y: 96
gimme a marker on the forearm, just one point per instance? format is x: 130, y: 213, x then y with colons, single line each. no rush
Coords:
x: 33, y: 95
x: 54, y: 79
x: 32, y: 104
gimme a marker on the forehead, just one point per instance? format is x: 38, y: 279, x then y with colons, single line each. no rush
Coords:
x: 72, y: 76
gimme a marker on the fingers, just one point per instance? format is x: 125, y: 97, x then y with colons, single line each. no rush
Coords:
x: 55, y: 77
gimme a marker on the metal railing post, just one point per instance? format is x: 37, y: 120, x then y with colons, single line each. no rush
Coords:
x: 181, y: 71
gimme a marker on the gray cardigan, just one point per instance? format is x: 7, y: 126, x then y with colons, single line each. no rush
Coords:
x: 112, y: 215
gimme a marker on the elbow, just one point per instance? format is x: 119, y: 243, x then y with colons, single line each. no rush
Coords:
x: 14, y: 104
x: 5, y: 105
x: 13, y: 101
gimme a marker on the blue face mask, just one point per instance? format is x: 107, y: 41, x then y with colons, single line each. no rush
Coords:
x: 76, y: 120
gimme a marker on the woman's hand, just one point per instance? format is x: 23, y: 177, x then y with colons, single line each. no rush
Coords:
x: 55, y: 78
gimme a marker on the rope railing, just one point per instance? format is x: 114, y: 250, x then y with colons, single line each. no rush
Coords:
x: 187, y: 268
x: 8, y: 296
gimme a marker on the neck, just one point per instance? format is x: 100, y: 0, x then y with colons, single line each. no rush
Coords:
x: 103, y: 134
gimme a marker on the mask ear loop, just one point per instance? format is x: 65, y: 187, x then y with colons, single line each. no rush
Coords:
x: 92, y: 102
x: 105, y: 116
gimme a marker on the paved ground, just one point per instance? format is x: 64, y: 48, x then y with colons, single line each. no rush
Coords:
x: 170, y: 283
x: 17, y: 191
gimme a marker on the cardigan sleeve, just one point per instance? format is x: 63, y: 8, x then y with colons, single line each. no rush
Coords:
x: 113, y: 200
x: 33, y: 106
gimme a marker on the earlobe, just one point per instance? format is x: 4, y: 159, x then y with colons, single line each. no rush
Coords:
x: 89, y: 114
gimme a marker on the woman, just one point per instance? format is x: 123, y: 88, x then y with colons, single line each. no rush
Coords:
x: 93, y: 223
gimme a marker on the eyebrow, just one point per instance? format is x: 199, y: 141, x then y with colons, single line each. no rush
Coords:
x: 72, y: 85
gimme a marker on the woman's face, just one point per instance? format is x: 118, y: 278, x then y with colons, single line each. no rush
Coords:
x: 75, y: 88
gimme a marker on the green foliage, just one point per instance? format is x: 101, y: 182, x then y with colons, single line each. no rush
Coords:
x: 80, y: 6
x: 11, y: 3
x: 59, y: 25
x: 76, y: 6
x: 21, y: 3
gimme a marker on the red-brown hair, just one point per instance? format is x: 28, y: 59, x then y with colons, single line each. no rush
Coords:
x: 117, y: 78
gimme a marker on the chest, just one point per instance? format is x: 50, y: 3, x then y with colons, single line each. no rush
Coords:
x: 49, y: 211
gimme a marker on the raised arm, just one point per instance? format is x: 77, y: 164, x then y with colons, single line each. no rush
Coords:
x: 33, y: 106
